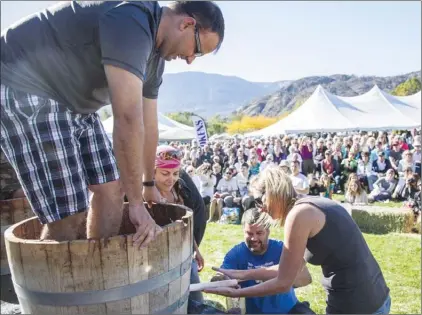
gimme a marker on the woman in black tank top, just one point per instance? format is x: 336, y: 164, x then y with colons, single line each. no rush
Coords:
x: 323, y: 233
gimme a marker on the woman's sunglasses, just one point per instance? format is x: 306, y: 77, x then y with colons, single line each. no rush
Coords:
x: 170, y: 155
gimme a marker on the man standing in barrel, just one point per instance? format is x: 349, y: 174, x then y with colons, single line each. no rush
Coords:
x: 58, y: 67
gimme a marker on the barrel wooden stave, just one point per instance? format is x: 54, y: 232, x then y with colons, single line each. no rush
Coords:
x: 11, y: 211
x: 84, y: 265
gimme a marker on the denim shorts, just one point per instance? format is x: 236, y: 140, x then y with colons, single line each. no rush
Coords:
x: 385, y: 308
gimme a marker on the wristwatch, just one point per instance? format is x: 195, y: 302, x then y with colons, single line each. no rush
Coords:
x: 149, y: 183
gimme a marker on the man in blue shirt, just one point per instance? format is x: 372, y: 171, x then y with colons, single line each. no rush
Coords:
x: 258, y: 251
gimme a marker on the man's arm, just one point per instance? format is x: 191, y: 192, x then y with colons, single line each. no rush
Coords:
x: 128, y: 133
x: 151, y: 137
x: 151, y: 193
x: 128, y: 141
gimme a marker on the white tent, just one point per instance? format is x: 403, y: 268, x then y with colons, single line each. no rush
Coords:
x: 168, y: 129
x: 374, y: 110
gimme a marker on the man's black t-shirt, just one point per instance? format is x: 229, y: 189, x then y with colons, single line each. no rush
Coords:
x: 60, y: 52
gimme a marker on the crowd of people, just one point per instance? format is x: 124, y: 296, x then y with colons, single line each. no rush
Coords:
x: 364, y: 167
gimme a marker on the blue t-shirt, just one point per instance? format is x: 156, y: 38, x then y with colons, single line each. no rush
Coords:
x: 241, y: 258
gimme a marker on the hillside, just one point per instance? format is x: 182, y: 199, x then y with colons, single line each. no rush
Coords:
x: 207, y: 94
x: 296, y: 92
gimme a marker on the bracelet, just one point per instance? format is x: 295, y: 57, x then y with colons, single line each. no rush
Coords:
x: 149, y: 183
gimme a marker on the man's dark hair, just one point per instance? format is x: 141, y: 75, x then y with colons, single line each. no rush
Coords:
x: 207, y: 14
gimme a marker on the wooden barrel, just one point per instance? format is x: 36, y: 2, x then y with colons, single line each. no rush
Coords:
x: 105, y: 276
x: 11, y: 211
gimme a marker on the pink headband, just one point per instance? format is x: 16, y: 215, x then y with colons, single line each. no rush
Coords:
x: 160, y: 163
x: 166, y: 157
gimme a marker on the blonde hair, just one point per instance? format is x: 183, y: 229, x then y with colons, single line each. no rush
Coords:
x: 349, y: 188
x: 277, y: 188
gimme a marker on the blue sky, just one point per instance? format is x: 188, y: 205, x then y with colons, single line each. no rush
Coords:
x: 270, y: 41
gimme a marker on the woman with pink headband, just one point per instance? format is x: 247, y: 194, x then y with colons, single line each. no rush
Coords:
x: 176, y: 186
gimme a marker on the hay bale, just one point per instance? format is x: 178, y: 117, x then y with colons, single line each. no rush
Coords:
x: 382, y: 220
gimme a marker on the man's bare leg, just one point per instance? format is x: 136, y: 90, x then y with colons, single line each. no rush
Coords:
x: 67, y: 229
x: 106, y: 210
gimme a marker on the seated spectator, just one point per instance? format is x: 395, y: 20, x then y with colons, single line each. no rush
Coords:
x: 257, y: 250
x: 216, y: 170
x: 191, y: 172
x: 278, y: 154
x: 284, y: 165
x: 398, y: 192
x: 406, y: 162
x: 384, y: 187
x: 240, y: 160
x: 337, y: 154
x: 371, y: 144
x: 417, y: 151
x: 319, y: 155
x: 226, y: 190
x: 356, y: 150
x: 376, y: 151
x: 299, y: 181
x: 244, y: 200
x: 326, y: 186
x: 379, y: 168
x: 207, y: 181
x: 331, y: 168
x: 364, y: 170
x: 395, y: 154
x: 295, y: 156
x: 348, y: 166
x: 253, y: 166
x: 269, y: 161
x: 402, y: 143
x: 314, y: 186
x: 410, y: 191
x: 347, y: 144
x: 355, y: 194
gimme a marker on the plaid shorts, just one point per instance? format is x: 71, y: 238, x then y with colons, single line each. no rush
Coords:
x: 55, y: 152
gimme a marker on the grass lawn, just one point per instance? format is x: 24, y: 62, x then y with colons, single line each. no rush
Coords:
x: 399, y: 256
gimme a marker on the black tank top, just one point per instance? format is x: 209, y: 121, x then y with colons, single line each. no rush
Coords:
x: 351, y: 277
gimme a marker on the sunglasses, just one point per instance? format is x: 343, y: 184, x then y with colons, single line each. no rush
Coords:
x: 198, y: 49
x: 170, y: 155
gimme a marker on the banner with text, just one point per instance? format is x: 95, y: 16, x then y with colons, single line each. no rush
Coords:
x: 201, y: 130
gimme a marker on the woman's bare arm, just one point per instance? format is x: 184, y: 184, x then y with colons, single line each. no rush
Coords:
x: 297, y: 229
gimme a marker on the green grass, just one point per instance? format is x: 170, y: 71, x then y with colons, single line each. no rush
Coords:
x: 399, y: 256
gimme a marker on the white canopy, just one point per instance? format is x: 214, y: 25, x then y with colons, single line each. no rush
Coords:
x: 374, y: 110
x: 168, y: 129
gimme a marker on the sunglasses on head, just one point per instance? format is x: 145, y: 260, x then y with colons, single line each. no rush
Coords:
x: 170, y: 155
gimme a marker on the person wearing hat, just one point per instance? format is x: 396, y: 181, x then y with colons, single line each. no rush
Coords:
x: 285, y: 167
x: 379, y: 147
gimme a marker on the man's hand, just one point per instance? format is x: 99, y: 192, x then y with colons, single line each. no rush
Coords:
x: 199, y: 260
x: 152, y: 195
x: 146, y: 228
x: 224, y: 291
x: 232, y: 273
